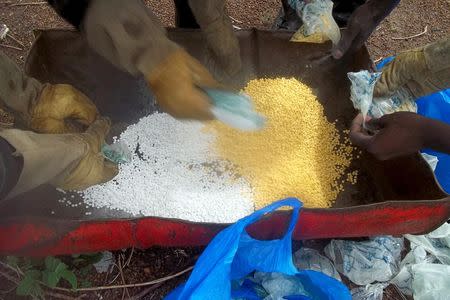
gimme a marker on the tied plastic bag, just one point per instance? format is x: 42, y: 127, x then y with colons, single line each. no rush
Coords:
x: 310, y: 259
x: 233, y: 254
x: 117, y: 153
x: 319, y: 25
x: 368, y: 261
x: 361, y: 95
x: 235, y: 110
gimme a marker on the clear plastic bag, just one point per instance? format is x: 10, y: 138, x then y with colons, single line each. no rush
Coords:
x: 361, y: 94
x: 235, y: 110
x: 318, y: 23
x: 369, y: 292
x: 117, y: 153
x: 366, y: 262
x: 310, y: 259
x: 425, y: 270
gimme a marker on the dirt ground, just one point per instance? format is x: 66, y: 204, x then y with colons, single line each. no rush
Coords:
x: 411, y: 17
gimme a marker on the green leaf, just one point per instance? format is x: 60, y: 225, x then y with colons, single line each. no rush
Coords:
x: 50, y: 278
x: 70, y: 277
x: 29, y: 285
x: 12, y: 261
x: 60, y: 268
x: 51, y: 263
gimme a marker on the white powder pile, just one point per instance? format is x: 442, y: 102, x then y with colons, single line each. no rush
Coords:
x: 173, y: 173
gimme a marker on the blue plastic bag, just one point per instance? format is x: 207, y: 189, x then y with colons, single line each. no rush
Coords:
x: 233, y: 254
x: 435, y: 106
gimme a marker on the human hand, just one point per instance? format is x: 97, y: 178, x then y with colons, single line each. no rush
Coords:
x: 393, y: 135
x: 176, y: 85
x: 59, y: 107
x: 92, y: 167
x: 361, y: 24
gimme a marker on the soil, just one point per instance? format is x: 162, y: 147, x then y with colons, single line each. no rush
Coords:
x: 409, y: 18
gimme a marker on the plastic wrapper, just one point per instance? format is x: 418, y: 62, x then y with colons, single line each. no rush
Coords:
x: 361, y: 94
x: 310, y: 259
x: 318, y: 23
x: 425, y: 270
x: 366, y: 262
x: 369, y: 292
x: 117, y: 153
x: 105, y: 262
x: 431, y: 160
x: 3, y: 31
x: 278, y: 285
x: 235, y: 110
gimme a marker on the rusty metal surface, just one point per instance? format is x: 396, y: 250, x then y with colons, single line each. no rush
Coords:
x: 64, y: 57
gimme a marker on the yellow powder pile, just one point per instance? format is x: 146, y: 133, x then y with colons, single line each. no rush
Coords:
x: 298, y: 154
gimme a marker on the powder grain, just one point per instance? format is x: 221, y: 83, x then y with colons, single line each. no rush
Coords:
x: 298, y: 154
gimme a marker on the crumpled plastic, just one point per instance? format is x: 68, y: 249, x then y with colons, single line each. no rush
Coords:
x: 366, y: 262
x: 3, y: 31
x: 279, y: 285
x: 105, y: 262
x: 310, y: 259
x: 117, y: 153
x: 369, y: 292
x: 235, y: 110
x: 318, y: 23
x: 361, y: 95
x: 425, y: 270
x: 431, y: 160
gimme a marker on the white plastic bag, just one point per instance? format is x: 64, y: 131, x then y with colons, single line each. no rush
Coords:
x: 369, y: 292
x: 361, y: 94
x: 420, y: 273
x: 431, y: 282
x: 366, y: 262
x: 318, y: 22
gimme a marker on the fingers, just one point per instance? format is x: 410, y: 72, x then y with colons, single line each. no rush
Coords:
x: 84, y: 111
x: 357, y: 134
x: 96, y: 133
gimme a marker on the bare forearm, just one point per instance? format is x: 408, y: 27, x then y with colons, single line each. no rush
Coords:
x: 437, y: 135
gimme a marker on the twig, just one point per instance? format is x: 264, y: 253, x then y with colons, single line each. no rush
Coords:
x: 60, y: 296
x: 235, y: 20
x: 140, y: 295
x: 11, y: 47
x: 15, y: 40
x: 412, y: 36
x: 129, y: 258
x: 377, y: 60
x: 123, y: 279
x: 28, y: 3
x: 9, y: 277
x: 133, y: 285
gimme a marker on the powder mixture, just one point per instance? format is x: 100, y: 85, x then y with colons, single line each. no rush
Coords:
x: 173, y: 174
x: 298, y: 154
